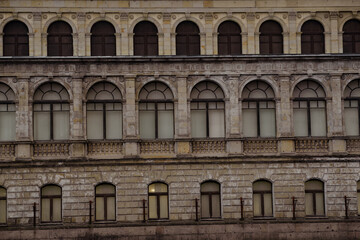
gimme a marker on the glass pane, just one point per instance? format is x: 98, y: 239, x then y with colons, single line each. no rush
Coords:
x: 216, y: 206
x: 105, y: 189
x: 147, y: 124
x: 320, y: 208
x: 94, y: 124
x: 61, y: 125
x: 166, y: 124
x: 111, y: 208
x: 205, y: 213
x: 7, y: 126
x: 51, y: 191
x: 198, y: 123
x: 158, y: 188
x: 318, y: 122
x: 210, y: 187
x: 351, y: 121
x: 152, y: 207
x: 314, y: 185
x: 358, y: 201
x: 42, y: 125
x: 268, y: 205
x: 113, y: 124
x: 164, y: 207
x: 2, y: 211
x: 45, y: 210
x: 2, y: 192
x: 267, y: 123
x: 300, y: 122
x: 309, y: 205
x: 257, y: 205
x: 216, y: 123
x: 262, y: 186
x: 99, y: 208
x: 56, y: 209
x: 249, y: 123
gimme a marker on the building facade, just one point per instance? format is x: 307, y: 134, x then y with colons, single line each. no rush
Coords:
x: 179, y: 119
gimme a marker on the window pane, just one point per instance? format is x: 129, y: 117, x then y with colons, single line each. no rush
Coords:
x: 111, y: 208
x: 166, y: 124
x: 56, y: 209
x: 351, y: 121
x: 309, y: 205
x: 205, y: 213
x: 249, y: 123
x: 320, y: 209
x: 61, y: 125
x: 42, y: 125
x: 147, y: 124
x: 7, y: 126
x: 45, y: 210
x: 358, y: 201
x: 99, y: 208
x: 113, y: 124
x: 51, y: 190
x: 105, y: 189
x: 216, y: 206
x: 318, y: 122
x: 300, y: 122
x: 262, y: 186
x: 267, y: 123
x: 198, y: 123
x: 216, y: 123
x: 164, y: 207
x: 257, y: 205
x: 268, y: 205
x: 152, y: 207
x: 95, y: 124
x: 210, y: 187
x: 314, y: 185
x: 2, y: 211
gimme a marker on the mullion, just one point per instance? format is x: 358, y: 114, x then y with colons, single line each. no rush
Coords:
x: 308, y: 117
x: 104, y: 120
x: 258, y: 118
x: 51, y: 122
x: 207, y: 120
x: 157, y: 195
x: 156, y: 121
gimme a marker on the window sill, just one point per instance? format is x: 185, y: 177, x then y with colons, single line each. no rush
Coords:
x: 264, y: 218
x: 158, y: 220
x: 50, y: 223
x: 211, y: 219
x: 316, y: 217
x: 105, y: 222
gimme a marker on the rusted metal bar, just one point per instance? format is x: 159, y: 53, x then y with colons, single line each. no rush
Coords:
x: 90, y: 203
x: 34, y: 210
x: 144, y: 215
x: 347, y: 201
x: 196, y: 209
x: 294, y: 201
x: 242, y: 208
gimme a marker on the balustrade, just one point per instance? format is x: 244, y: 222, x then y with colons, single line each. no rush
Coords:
x: 260, y: 146
x: 155, y: 147
x: 208, y: 146
x: 311, y: 145
x: 51, y: 149
x: 104, y: 148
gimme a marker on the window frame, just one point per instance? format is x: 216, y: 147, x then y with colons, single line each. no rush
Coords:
x: 145, y: 36
x: 313, y: 193
x: 51, y: 197
x: 312, y: 35
x: 228, y: 35
x: 187, y: 35
x: 16, y: 37
x: 103, y: 45
x: 60, y: 36
x: 269, y: 38
x: 105, y: 196
x: 158, y: 195
x: 354, y: 35
x: 209, y: 195
x: 4, y: 199
x: 10, y: 101
x: 262, y: 200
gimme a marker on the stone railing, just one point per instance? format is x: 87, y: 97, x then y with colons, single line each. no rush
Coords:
x: 157, y: 146
x: 255, y: 146
x: 208, y: 146
x: 311, y: 145
x: 51, y: 149
x: 353, y: 145
x: 104, y: 148
x: 7, y: 150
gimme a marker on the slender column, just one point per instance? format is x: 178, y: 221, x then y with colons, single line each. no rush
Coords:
x: 209, y: 34
x: 167, y: 33
x: 37, y: 29
x: 124, y: 28
x: 334, y: 32
x: 118, y: 43
x: 44, y: 44
x: 202, y: 43
x: 77, y: 119
x: 130, y: 122
x: 1, y: 44
x: 81, y: 35
x: 284, y: 108
x: 182, y: 123
x: 251, y: 33
x: 233, y: 108
x: 335, y: 114
x: 292, y: 33
x: 87, y: 44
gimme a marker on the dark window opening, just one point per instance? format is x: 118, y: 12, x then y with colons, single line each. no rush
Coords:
x: 187, y: 39
x: 312, y: 38
x: 271, y: 38
x: 59, y: 39
x: 145, y: 39
x: 229, y: 39
x: 103, y: 41
x: 16, y: 39
x: 351, y: 36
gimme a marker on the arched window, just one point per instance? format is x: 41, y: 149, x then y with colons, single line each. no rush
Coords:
x: 210, y: 200
x: 16, y: 39
x: 207, y: 110
x: 3, y: 206
x: 156, y: 111
x: 59, y: 39
x: 51, y: 112
x: 314, y: 198
x: 103, y: 41
x: 351, y: 36
x: 105, y: 202
x: 271, y: 38
x: 158, y: 201
x: 7, y: 113
x: 145, y: 39
x: 358, y: 196
x: 104, y: 112
x: 312, y: 38
x: 187, y: 39
x: 352, y: 108
x: 309, y: 109
x: 51, y: 203
x: 229, y: 38
x: 262, y: 198
x: 258, y: 110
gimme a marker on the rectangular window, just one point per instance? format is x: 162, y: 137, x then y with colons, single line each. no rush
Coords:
x: 7, y: 122
x: 42, y: 121
x: 351, y: 117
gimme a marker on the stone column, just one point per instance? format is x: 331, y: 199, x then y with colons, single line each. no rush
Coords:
x: 130, y: 43
x: 118, y: 44
x: 284, y: 121
x: 87, y: 44
x: 124, y: 28
x: 209, y: 50
x: 129, y: 116
x: 202, y: 43
x: 292, y: 33
x: 286, y: 42
x: 1, y: 44
x: 81, y: 34
x: 161, y: 43
x: 77, y: 119
x: 173, y: 43
x: 251, y: 32
x: 167, y: 33
x: 334, y: 32
x: 37, y: 29
x: 43, y: 44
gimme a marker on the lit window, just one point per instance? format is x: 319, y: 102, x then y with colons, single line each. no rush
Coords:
x: 271, y: 38
x: 59, y: 39
x: 262, y: 199
x: 16, y: 39
x: 187, y: 39
x: 358, y: 196
x: 207, y: 111
x: 7, y: 113
x: 158, y: 201
x: 145, y: 39
x: 352, y: 110
x: 156, y: 111
x: 51, y: 203
x: 351, y: 36
x: 309, y: 109
x: 105, y: 202
x: 104, y: 112
x: 103, y: 41
x: 51, y: 112
x: 3, y: 212
x: 312, y: 38
x: 210, y: 200
x: 229, y: 38
x: 258, y: 110
x: 314, y: 198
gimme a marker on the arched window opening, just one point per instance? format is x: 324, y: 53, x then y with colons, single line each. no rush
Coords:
x: 105, y: 202
x: 16, y: 39
x: 7, y: 113
x: 210, y: 200
x: 145, y: 39
x: 309, y: 109
x: 229, y: 39
x: 207, y: 111
x: 351, y: 36
x: 51, y: 203
x: 314, y: 198
x: 51, y: 112
x: 59, y: 39
x: 271, y: 38
x: 3, y: 206
x: 187, y: 39
x: 258, y: 110
x: 262, y: 199
x: 352, y: 108
x: 156, y: 111
x: 104, y: 112
x: 312, y: 38
x: 158, y: 201
x: 103, y: 41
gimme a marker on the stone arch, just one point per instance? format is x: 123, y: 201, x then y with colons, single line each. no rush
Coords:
x: 44, y: 81
x: 149, y: 19
x: 196, y: 21
x: 269, y: 81
x: 23, y: 20
x: 320, y: 20
x: 98, y: 80
x: 54, y: 19
x: 242, y: 26
x: 99, y: 19
x: 283, y: 25
x: 218, y: 82
x: 150, y: 80
x: 322, y: 83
